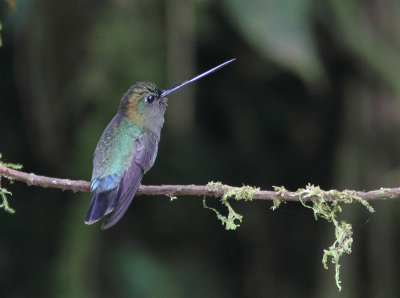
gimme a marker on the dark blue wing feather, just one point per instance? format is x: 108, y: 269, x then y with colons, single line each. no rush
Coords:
x: 146, y: 152
x: 126, y: 191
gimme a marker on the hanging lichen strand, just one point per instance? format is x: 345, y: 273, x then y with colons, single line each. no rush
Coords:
x: 3, y: 191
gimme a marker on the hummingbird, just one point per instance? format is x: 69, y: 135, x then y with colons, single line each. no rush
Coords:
x: 127, y: 149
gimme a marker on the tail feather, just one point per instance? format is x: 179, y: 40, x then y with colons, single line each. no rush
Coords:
x: 102, y: 204
x: 116, y: 201
x: 127, y: 189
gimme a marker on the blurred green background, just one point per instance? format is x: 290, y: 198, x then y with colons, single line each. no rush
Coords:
x: 314, y: 96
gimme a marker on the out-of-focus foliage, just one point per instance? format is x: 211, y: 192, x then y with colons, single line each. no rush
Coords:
x: 312, y: 97
x: 280, y: 30
x: 12, y: 6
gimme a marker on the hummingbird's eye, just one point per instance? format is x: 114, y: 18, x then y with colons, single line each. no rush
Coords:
x: 150, y: 98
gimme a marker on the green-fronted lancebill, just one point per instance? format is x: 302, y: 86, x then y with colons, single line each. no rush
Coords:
x: 127, y: 149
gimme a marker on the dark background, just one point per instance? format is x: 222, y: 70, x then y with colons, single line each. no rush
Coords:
x: 313, y: 97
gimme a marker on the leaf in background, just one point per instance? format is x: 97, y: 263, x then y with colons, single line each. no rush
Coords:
x: 366, y: 36
x: 11, y: 5
x: 279, y: 30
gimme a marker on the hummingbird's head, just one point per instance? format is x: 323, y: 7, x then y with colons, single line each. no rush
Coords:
x: 143, y: 104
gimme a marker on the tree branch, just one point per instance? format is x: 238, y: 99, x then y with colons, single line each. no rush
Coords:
x: 197, y: 190
x: 325, y: 204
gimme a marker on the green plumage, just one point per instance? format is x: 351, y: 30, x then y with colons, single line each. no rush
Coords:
x: 116, y: 148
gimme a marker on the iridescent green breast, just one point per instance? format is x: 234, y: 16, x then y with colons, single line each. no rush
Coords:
x: 116, y: 148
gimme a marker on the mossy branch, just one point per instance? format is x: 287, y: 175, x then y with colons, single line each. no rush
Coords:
x: 325, y: 204
x: 279, y: 194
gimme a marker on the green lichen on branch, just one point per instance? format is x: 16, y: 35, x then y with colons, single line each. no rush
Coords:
x: 280, y: 191
x: 342, y: 244
x: 328, y: 210
x: 232, y: 221
x: 246, y: 193
x: 3, y: 191
x: 15, y: 166
x: 3, y: 194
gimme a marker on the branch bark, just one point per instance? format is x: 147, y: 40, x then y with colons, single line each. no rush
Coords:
x: 195, y: 190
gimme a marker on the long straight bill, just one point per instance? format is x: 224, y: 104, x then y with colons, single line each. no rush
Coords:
x: 164, y: 93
